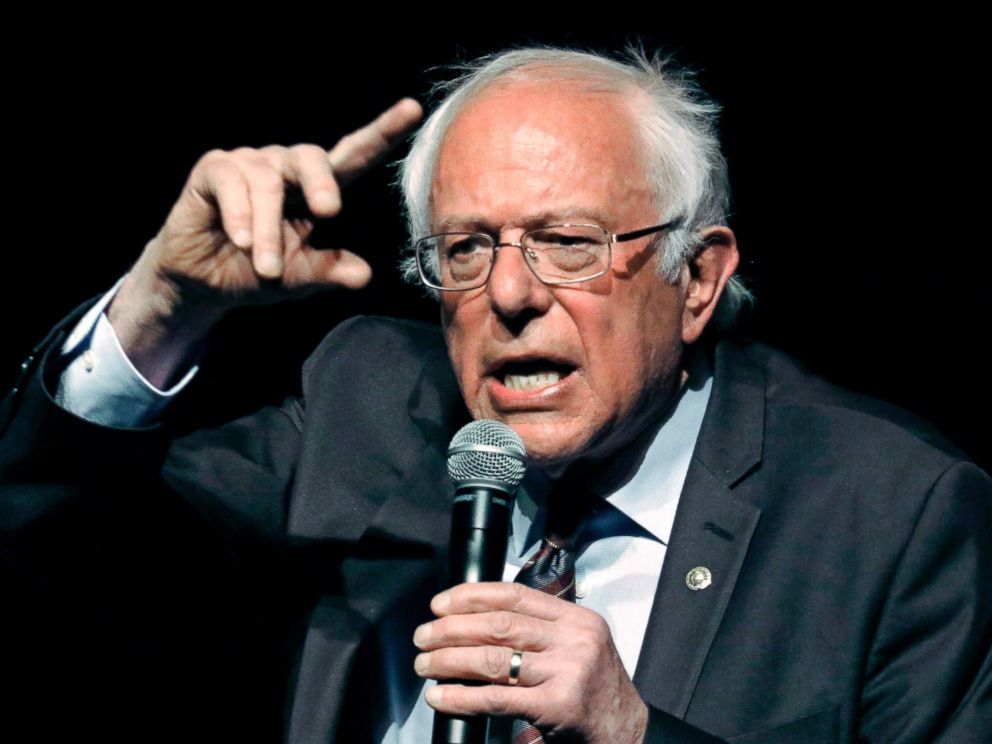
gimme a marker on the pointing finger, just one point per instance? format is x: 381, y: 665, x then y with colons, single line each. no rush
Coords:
x: 357, y: 152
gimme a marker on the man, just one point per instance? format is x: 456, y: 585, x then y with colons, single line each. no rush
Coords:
x: 765, y: 558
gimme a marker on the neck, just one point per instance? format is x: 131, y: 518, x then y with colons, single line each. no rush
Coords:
x: 604, y: 474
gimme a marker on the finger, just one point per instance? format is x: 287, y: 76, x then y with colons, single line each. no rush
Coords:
x: 493, y: 700
x: 357, y: 152
x: 309, y: 269
x: 266, y: 191
x: 500, y: 628
x: 307, y: 166
x: 221, y: 182
x: 312, y: 169
x: 482, y: 663
x: 313, y: 269
x: 489, y: 596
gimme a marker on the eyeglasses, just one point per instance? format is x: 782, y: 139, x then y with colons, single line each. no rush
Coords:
x: 557, y: 254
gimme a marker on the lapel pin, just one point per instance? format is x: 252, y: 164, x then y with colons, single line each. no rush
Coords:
x: 698, y: 578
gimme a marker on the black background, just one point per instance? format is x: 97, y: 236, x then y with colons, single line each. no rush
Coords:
x: 857, y: 157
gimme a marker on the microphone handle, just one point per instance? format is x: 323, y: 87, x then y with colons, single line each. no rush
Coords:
x: 480, y: 530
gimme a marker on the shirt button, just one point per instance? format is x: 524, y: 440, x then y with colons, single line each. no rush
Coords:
x: 88, y: 361
x: 582, y: 589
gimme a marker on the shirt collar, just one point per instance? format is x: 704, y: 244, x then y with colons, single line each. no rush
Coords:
x: 651, y: 496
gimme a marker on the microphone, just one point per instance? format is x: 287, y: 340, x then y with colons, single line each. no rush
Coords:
x: 486, y: 460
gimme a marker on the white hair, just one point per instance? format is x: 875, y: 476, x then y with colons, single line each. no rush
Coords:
x: 677, y: 122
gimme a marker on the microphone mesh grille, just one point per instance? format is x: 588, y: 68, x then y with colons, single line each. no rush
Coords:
x: 505, y: 467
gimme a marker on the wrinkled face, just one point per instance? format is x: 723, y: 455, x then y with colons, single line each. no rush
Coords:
x: 578, y: 370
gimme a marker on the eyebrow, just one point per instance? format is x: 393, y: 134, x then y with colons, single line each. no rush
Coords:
x: 478, y: 223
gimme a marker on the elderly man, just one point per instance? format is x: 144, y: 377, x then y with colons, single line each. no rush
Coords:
x: 755, y: 555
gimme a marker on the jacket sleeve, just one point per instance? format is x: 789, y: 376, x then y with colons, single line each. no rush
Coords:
x: 929, y: 673
x: 133, y: 598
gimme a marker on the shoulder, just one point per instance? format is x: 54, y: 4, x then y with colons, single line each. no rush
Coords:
x: 369, y: 365
x: 371, y: 339
x: 829, y: 452
x: 818, y: 411
x: 375, y: 349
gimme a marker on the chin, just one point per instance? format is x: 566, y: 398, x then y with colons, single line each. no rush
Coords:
x: 550, y: 450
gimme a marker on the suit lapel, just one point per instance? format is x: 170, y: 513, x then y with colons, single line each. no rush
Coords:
x: 710, y: 537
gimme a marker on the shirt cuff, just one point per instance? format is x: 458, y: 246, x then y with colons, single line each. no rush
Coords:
x: 100, y: 384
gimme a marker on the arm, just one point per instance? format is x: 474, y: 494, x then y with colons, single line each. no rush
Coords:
x: 123, y: 608
x: 127, y: 608
x: 100, y: 384
x: 929, y: 674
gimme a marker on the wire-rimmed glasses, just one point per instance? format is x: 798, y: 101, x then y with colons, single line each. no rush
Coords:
x: 557, y: 254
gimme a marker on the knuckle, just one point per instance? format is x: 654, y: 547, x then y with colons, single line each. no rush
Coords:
x: 587, y: 638
x: 210, y: 157
x: 267, y: 182
x: 308, y: 150
x: 515, y: 594
x: 357, y: 145
x: 600, y: 630
x: 502, y: 627
x: 494, y: 664
x: 247, y: 153
x: 275, y: 156
x: 495, y: 701
x: 441, y: 628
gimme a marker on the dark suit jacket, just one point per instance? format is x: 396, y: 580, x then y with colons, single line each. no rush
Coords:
x: 849, y: 547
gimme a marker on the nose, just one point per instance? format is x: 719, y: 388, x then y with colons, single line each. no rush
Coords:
x: 515, y: 292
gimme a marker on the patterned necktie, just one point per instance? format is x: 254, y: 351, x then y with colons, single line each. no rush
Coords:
x: 552, y: 568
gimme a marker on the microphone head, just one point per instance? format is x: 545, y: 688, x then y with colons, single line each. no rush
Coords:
x: 487, y: 453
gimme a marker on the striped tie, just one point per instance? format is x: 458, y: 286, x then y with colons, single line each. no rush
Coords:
x: 552, y: 568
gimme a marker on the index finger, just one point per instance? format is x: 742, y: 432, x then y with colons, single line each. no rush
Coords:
x: 488, y: 596
x: 357, y: 152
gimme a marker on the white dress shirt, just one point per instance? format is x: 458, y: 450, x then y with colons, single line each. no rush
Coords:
x: 621, y: 549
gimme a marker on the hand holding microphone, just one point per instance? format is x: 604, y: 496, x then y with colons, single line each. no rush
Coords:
x: 487, y: 461
x: 505, y: 649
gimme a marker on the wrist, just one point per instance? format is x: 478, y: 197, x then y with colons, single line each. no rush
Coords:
x: 159, y: 330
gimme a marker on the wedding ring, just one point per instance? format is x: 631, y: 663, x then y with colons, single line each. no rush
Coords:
x: 513, y: 678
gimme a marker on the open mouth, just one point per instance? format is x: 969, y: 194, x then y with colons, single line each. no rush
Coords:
x: 532, y: 374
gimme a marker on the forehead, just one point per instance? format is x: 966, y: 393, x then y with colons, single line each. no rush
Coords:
x: 537, y: 149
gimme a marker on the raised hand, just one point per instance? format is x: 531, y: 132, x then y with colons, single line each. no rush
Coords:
x: 227, y: 242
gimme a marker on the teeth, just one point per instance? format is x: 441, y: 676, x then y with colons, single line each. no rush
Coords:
x: 529, y: 382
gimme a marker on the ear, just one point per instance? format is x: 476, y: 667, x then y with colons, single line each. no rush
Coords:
x: 709, y: 272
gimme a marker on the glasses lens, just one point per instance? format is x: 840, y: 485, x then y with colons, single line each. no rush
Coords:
x: 455, y: 260
x: 567, y: 253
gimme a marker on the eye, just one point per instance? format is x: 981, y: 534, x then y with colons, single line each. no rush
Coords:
x: 564, y: 237
x: 461, y: 247
x: 567, y: 253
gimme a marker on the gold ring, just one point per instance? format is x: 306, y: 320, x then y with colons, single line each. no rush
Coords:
x: 513, y: 678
